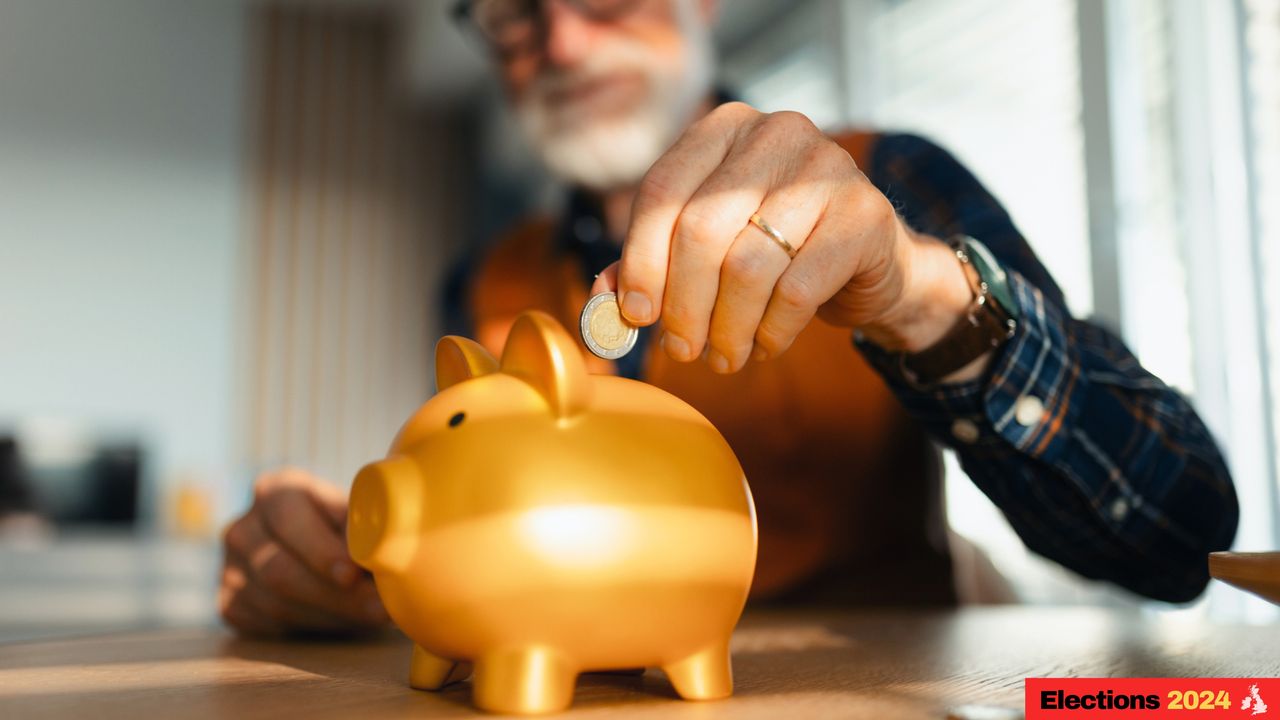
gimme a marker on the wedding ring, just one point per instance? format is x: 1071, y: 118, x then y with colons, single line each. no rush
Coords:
x: 773, y: 234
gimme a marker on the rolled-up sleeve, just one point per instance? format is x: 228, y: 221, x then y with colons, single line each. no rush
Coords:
x: 1096, y: 463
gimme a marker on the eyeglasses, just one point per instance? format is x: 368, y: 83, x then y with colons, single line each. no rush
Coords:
x: 511, y: 26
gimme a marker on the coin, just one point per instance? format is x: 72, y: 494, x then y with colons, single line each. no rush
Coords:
x: 604, y: 331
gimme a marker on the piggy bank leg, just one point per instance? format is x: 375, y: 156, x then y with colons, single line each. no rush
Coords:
x: 704, y: 675
x: 523, y: 681
x: 429, y: 672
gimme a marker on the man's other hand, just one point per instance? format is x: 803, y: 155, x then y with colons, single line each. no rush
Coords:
x: 286, y: 567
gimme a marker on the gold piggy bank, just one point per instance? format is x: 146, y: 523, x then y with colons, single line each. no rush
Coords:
x: 537, y: 522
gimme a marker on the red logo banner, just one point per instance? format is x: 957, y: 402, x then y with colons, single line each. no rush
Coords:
x: 1142, y: 698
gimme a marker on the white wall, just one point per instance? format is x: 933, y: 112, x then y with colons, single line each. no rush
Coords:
x: 120, y: 168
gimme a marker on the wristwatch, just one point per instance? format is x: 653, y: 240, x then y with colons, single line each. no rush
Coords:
x: 992, y: 318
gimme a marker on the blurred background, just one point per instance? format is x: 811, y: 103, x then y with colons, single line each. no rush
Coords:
x: 225, y: 226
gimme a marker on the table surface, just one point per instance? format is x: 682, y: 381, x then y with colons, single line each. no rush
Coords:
x: 862, y: 664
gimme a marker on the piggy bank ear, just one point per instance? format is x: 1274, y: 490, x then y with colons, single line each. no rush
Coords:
x: 458, y: 359
x: 540, y: 352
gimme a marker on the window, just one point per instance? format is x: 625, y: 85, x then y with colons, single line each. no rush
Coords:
x: 1262, y: 87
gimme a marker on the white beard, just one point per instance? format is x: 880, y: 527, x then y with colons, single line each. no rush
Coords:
x: 611, y: 153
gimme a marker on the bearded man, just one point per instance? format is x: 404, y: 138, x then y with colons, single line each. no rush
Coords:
x: 830, y: 303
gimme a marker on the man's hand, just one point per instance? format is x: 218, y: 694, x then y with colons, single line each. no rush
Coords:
x: 286, y: 566
x: 722, y: 284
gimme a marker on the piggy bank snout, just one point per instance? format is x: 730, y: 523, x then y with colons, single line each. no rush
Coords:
x: 384, y: 514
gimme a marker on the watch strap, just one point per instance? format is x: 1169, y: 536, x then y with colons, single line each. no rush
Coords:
x: 986, y: 325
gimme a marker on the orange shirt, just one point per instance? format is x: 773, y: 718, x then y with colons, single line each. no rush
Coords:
x: 846, y: 485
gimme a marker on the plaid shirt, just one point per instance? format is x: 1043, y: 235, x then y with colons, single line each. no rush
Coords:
x: 1118, y: 478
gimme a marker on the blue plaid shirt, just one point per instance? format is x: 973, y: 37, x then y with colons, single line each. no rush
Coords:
x: 1118, y: 479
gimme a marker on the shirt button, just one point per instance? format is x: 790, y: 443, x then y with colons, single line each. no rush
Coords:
x: 964, y: 430
x: 1029, y: 410
x: 1119, y: 509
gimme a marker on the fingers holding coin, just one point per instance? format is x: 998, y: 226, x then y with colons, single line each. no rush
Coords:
x: 603, y: 330
x: 746, y: 228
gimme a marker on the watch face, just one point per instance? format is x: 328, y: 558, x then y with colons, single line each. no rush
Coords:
x: 993, y: 275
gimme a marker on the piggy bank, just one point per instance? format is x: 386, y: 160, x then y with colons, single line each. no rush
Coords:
x: 532, y: 522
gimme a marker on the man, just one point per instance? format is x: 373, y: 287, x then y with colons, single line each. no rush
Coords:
x: 724, y: 232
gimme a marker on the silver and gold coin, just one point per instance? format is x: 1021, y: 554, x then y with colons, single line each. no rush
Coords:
x: 604, y: 331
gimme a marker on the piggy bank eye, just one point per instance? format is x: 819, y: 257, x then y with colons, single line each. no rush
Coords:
x: 457, y: 419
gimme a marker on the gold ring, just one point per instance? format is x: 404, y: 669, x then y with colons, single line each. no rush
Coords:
x: 773, y: 234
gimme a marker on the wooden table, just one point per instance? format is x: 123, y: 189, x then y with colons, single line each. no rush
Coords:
x: 858, y: 665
